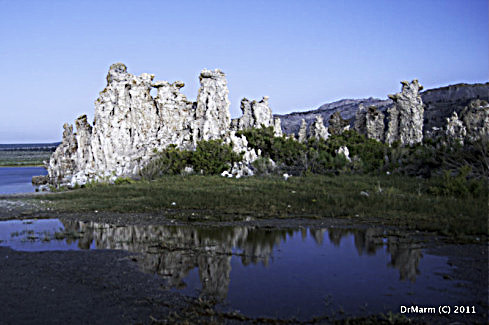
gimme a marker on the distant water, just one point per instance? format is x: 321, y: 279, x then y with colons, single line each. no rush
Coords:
x: 18, y: 179
x: 29, y: 146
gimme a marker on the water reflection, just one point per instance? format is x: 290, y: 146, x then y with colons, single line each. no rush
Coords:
x: 174, y: 251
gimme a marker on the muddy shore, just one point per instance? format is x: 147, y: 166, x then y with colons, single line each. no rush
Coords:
x: 106, y: 286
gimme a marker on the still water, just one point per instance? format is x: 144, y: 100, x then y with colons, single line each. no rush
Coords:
x: 18, y: 179
x: 297, y: 273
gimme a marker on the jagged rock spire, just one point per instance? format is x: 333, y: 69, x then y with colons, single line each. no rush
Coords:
x: 406, y: 115
x: 302, y: 136
x: 318, y: 130
x: 212, y: 117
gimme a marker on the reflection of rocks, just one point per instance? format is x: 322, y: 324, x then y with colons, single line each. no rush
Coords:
x: 368, y: 241
x: 172, y: 252
x: 404, y: 255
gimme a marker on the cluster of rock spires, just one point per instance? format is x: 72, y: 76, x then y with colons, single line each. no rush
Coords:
x: 130, y: 126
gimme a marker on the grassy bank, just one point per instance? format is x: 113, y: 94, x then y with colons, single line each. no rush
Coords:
x: 12, y: 158
x: 390, y: 200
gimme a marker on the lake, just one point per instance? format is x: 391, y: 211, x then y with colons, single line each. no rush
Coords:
x: 18, y: 179
x: 287, y: 273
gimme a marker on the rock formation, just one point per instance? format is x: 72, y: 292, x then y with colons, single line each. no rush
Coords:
x: 212, y: 117
x: 370, y: 122
x: 62, y: 164
x: 302, y: 136
x: 256, y: 115
x: 475, y: 118
x: 455, y: 129
x: 440, y: 103
x: 337, y: 124
x: 130, y: 126
x: 277, y: 127
x: 318, y: 130
x: 406, y: 115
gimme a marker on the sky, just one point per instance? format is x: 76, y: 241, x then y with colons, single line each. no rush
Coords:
x: 54, y: 55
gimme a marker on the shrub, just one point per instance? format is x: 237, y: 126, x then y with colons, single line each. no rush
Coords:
x: 213, y: 157
x: 460, y: 185
x: 123, y: 180
x: 210, y: 157
x: 170, y: 161
x: 263, y: 166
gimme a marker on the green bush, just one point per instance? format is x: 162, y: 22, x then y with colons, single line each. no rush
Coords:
x: 213, y: 157
x: 319, y: 156
x: 210, y: 157
x: 170, y: 161
x: 123, y: 180
x: 459, y: 185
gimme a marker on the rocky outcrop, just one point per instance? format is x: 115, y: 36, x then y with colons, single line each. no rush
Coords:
x: 212, y: 118
x: 302, y: 135
x: 375, y: 123
x: 441, y: 102
x: 455, y: 129
x: 475, y: 118
x: 406, y: 115
x: 62, y: 164
x: 338, y: 124
x: 347, y: 107
x: 277, y: 127
x: 130, y: 126
x: 318, y: 130
x: 256, y: 115
x: 370, y: 121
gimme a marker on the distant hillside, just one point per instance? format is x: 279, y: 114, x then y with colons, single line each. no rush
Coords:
x: 439, y: 104
x: 347, y: 108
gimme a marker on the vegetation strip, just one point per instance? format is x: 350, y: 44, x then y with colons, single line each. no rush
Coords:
x: 401, y: 201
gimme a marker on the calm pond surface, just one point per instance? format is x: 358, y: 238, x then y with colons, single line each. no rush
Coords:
x: 18, y: 179
x: 264, y: 272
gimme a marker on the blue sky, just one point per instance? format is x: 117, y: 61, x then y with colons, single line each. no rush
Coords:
x: 54, y: 55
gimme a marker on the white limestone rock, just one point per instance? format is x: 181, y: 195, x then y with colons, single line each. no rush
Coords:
x: 277, y: 127
x: 130, y: 126
x: 257, y: 114
x: 302, y: 136
x: 318, y: 130
x: 455, y: 129
x: 212, y: 117
x: 345, y: 152
x: 475, y: 118
x: 62, y: 164
x: 375, y: 124
x: 406, y: 115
